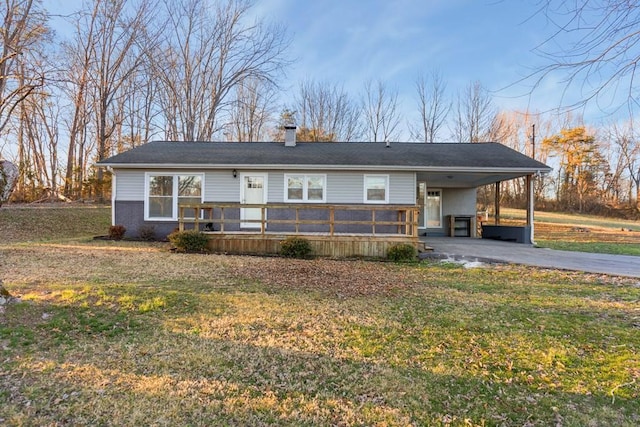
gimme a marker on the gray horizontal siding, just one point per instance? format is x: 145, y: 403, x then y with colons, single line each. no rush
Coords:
x: 276, y: 187
x: 220, y: 186
x: 130, y: 185
x: 402, y: 189
x: 348, y: 187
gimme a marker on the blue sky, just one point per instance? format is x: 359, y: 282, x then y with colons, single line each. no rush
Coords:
x: 351, y: 41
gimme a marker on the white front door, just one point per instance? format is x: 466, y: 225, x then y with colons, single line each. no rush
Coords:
x: 253, y: 192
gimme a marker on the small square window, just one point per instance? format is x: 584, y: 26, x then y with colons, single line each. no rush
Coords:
x: 376, y: 188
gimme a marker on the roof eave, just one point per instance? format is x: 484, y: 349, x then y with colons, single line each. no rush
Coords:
x: 189, y: 166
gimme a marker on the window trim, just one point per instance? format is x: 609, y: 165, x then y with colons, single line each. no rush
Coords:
x: 386, y: 189
x: 305, y: 187
x: 174, y: 196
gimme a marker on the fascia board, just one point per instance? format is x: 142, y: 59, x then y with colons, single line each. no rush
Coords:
x: 443, y: 169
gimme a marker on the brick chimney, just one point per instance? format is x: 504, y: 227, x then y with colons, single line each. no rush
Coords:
x: 290, y: 136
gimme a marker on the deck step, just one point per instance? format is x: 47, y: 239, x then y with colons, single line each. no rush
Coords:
x: 422, y: 248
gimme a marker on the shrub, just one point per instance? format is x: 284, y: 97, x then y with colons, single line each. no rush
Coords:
x: 189, y: 241
x: 116, y: 232
x: 295, y: 247
x: 147, y: 232
x: 402, y: 252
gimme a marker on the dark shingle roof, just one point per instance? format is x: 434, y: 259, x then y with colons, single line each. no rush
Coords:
x: 342, y: 155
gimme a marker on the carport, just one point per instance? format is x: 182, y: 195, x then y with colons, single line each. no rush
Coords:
x: 469, y: 178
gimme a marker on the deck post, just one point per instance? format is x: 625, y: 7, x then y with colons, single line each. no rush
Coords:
x: 373, y: 221
x: 332, y: 219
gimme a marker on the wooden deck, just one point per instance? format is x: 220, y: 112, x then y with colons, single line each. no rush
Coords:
x: 327, y: 227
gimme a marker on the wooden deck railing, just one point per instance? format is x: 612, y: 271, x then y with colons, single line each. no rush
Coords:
x: 226, y: 218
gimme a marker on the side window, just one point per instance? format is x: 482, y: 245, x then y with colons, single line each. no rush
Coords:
x: 305, y: 188
x: 160, y: 203
x: 295, y: 188
x: 165, y: 192
x: 376, y: 188
x: 315, y: 188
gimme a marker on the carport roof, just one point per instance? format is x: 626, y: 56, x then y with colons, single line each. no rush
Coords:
x: 417, y: 157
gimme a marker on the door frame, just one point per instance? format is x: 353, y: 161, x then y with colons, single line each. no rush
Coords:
x: 423, y: 206
x: 245, y: 211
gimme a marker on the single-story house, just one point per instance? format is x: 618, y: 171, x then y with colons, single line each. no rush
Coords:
x: 328, y: 191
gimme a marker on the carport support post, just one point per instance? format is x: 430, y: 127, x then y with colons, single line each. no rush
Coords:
x: 530, y: 206
x: 497, y: 204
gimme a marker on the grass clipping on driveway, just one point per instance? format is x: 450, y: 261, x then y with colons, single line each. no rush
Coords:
x: 127, y: 333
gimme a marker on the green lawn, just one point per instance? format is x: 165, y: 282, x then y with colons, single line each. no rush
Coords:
x: 126, y: 333
x: 594, y: 247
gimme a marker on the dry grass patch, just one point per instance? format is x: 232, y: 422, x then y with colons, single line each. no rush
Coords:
x: 23, y: 223
x: 130, y: 334
x: 582, y: 233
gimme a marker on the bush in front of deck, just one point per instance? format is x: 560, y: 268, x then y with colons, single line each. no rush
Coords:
x: 116, y: 232
x: 295, y: 247
x: 402, y: 252
x: 189, y: 241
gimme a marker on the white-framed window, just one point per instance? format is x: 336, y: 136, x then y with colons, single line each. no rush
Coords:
x: 305, y: 188
x: 433, y: 208
x: 163, y: 192
x: 376, y: 188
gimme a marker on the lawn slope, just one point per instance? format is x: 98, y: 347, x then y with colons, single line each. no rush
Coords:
x: 127, y: 333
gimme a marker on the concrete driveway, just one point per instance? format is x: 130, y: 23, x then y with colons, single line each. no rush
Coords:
x: 485, y: 250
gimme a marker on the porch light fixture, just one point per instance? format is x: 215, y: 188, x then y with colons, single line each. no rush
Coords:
x: 235, y: 173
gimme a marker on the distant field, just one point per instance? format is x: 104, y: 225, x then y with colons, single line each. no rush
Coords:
x: 584, y: 233
x: 572, y: 219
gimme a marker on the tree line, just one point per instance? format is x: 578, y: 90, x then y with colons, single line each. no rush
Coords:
x: 130, y: 71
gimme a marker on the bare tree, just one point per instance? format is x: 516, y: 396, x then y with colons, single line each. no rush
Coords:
x: 251, y: 110
x: 120, y: 25
x: 593, y: 47
x: 78, y: 57
x: 138, y: 113
x: 23, y: 27
x: 432, y: 106
x: 625, y: 150
x: 475, y: 116
x: 103, y: 57
x: 38, y: 149
x: 325, y: 112
x: 208, y: 51
x: 380, y: 111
